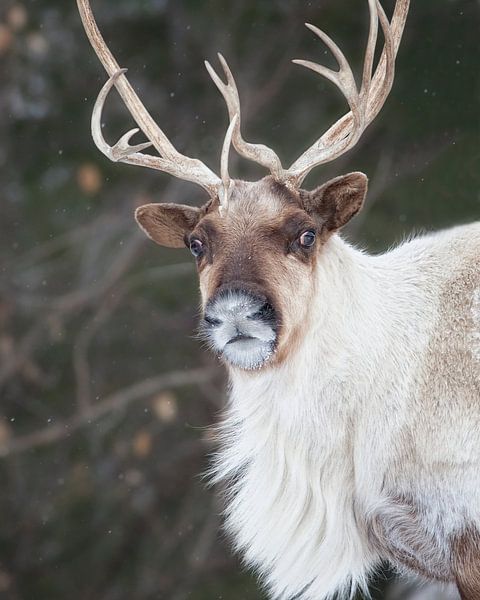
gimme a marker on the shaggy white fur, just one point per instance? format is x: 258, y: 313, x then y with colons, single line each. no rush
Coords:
x: 368, y: 408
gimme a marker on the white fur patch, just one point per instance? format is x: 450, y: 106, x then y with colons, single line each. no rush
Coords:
x: 476, y: 324
x: 312, y: 447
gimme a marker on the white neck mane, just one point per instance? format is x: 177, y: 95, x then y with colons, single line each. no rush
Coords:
x: 300, y: 446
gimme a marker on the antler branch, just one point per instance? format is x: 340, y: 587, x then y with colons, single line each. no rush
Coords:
x: 258, y: 153
x: 364, y: 104
x: 171, y: 160
x: 227, y: 182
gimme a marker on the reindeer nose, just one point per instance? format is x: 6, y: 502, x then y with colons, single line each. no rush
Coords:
x: 212, y: 320
x: 265, y: 312
x: 236, y: 305
x: 241, y: 325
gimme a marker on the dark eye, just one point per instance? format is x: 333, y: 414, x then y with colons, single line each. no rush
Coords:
x: 307, y: 238
x: 196, y: 247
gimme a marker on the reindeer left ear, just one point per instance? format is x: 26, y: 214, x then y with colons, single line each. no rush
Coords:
x: 336, y: 201
x: 167, y: 224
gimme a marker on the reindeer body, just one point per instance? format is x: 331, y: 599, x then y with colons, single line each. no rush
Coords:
x: 352, y: 433
x: 364, y: 443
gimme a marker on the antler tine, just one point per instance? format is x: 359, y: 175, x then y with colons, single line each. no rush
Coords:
x: 171, y: 160
x: 121, y: 149
x: 344, y: 134
x: 332, y: 46
x: 370, y: 52
x: 227, y: 182
x: 123, y: 152
x: 258, y: 153
x: 388, y: 57
x: 343, y: 79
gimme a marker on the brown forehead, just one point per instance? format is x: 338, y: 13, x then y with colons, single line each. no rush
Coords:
x: 268, y: 194
x: 264, y: 205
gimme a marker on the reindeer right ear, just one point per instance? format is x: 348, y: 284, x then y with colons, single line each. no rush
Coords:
x: 167, y: 224
x: 334, y: 203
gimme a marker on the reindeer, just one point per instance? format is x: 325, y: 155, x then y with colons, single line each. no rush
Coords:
x: 352, y: 430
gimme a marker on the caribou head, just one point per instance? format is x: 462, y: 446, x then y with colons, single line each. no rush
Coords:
x: 256, y: 243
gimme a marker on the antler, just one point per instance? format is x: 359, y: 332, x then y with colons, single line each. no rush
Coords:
x: 170, y: 160
x: 256, y: 152
x: 364, y: 104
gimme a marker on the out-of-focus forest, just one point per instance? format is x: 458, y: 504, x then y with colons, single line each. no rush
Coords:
x: 105, y: 394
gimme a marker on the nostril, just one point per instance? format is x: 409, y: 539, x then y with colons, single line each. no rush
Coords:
x: 211, y: 321
x: 265, y: 313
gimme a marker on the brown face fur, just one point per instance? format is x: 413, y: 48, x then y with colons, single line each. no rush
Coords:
x: 253, y: 242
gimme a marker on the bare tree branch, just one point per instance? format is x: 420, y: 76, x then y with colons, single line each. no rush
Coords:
x: 114, y: 402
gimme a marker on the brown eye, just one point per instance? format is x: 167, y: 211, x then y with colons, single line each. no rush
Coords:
x: 307, y: 239
x: 196, y: 247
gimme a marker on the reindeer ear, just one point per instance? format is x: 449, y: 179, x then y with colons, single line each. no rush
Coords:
x: 336, y: 201
x: 167, y: 224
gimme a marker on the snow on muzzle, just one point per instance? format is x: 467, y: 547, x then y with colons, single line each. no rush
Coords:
x: 241, y: 327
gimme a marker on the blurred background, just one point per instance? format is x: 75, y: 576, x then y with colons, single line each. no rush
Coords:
x: 105, y: 394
